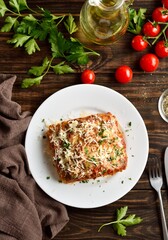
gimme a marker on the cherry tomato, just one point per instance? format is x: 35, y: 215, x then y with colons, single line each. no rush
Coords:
x: 88, y: 76
x: 149, y: 62
x: 151, y: 30
x: 165, y: 3
x: 138, y: 43
x: 160, y: 14
x: 123, y: 74
x: 161, y: 49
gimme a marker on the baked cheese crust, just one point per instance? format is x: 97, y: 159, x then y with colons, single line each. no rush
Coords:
x: 87, y: 147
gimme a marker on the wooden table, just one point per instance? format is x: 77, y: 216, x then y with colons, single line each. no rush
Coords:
x: 143, y: 92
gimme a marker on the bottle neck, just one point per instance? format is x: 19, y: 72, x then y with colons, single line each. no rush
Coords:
x: 108, y: 5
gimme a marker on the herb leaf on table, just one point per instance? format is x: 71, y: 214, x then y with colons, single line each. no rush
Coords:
x: 121, y: 223
x: 136, y: 20
x: 29, y: 31
x: 70, y: 25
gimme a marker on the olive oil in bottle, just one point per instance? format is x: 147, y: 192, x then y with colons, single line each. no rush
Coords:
x: 104, y: 21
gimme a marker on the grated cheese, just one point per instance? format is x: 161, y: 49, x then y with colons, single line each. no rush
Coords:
x: 84, y: 144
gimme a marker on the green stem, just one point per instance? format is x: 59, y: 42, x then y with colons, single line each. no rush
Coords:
x: 106, y: 224
x: 91, y: 51
x: 62, y: 18
x: 33, y: 11
x: 49, y: 66
x: 158, y: 36
x: 165, y: 37
x: 14, y: 13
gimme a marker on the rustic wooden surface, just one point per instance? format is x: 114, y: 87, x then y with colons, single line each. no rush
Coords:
x: 143, y: 92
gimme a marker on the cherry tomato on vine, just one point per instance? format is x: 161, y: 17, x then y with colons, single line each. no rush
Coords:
x: 165, y: 3
x: 160, y: 14
x: 88, y: 76
x: 139, y: 43
x: 151, y: 30
x: 149, y: 62
x: 124, y: 74
x: 161, y: 49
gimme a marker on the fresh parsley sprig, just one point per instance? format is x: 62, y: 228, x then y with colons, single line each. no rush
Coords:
x: 136, y: 20
x: 121, y: 223
x: 29, y: 31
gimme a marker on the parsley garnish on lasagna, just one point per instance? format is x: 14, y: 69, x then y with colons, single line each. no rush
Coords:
x: 87, y: 147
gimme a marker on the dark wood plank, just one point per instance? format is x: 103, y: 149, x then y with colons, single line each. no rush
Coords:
x: 85, y: 223
x: 143, y: 92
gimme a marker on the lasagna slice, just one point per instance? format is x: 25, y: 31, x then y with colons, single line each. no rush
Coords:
x: 87, y: 147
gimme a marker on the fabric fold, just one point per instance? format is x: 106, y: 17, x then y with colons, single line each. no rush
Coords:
x: 26, y: 212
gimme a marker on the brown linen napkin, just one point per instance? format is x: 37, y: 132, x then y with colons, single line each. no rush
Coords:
x: 26, y: 212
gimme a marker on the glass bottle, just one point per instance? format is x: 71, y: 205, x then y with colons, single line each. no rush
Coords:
x: 104, y: 21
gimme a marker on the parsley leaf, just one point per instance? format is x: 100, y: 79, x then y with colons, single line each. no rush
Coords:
x: 39, y: 70
x: 121, y: 223
x: 78, y: 56
x: 62, y: 68
x: 121, y: 212
x: 130, y: 220
x: 3, y: 8
x: 120, y: 229
x: 137, y: 19
x: 28, y: 82
x: 22, y: 5
x: 18, y: 5
x: 31, y: 46
x: 15, y: 5
x: 70, y: 24
x: 59, y: 45
x: 10, y: 22
x: 19, y: 39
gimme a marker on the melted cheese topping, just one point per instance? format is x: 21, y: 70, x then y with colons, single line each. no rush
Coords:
x: 84, y: 145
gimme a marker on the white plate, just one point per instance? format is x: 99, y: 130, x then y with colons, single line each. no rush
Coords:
x: 69, y: 103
